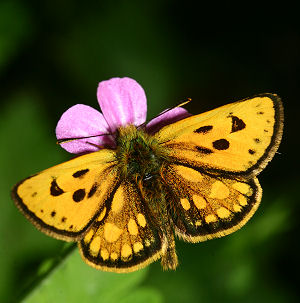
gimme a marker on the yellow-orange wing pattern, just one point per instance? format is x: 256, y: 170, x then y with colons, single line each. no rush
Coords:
x: 123, y: 238
x: 64, y: 200
x: 205, y: 206
x: 239, y: 138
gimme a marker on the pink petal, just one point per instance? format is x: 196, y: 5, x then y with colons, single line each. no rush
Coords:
x: 165, y: 118
x: 122, y: 101
x: 82, y: 121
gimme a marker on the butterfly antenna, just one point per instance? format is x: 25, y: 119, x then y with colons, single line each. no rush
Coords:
x: 65, y: 140
x: 188, y: 100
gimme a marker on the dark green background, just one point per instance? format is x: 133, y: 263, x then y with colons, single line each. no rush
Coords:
x: 52, y: 56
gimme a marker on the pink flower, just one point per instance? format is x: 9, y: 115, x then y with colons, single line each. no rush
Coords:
x: 122, y: 101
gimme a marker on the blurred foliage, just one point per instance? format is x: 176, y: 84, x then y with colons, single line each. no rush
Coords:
x: 53, y: 54
x: 13, y: 35
x: 70, y: 281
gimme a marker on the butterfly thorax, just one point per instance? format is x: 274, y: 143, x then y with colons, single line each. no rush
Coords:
x: 140, y: 161
x: 139, y: 155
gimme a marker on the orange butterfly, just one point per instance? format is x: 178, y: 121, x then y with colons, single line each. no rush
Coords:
x: 137, y: 185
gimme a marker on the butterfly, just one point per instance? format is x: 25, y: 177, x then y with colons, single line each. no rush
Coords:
x: 194, y: 179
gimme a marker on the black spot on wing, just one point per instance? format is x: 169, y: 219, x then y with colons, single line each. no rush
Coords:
x: 80, y: 173
x: 203, y: 129
x: 221, y: 144
x: 53, y: 214
x: 55, y: 190
x: 251, y: 151
x: 79, y: 195
x: 237, y: 124
x: 93, y: 190
x: 204, y: 150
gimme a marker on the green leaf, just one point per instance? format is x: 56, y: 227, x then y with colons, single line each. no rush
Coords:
x: 143, y: 294
x: 74, y: 281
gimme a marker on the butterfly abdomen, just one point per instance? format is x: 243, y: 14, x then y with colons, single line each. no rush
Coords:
x: 157, y: 202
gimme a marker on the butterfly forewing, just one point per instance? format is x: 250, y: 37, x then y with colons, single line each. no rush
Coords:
x: 63, y: 200
x: 205, y: 207
x: 123, y: 238
x: 239, y: 138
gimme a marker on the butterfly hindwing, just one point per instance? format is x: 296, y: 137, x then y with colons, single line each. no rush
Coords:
x: 239, y: 138
x: 63, y: 201
x: 205, y: 206
x: 122, y: 239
